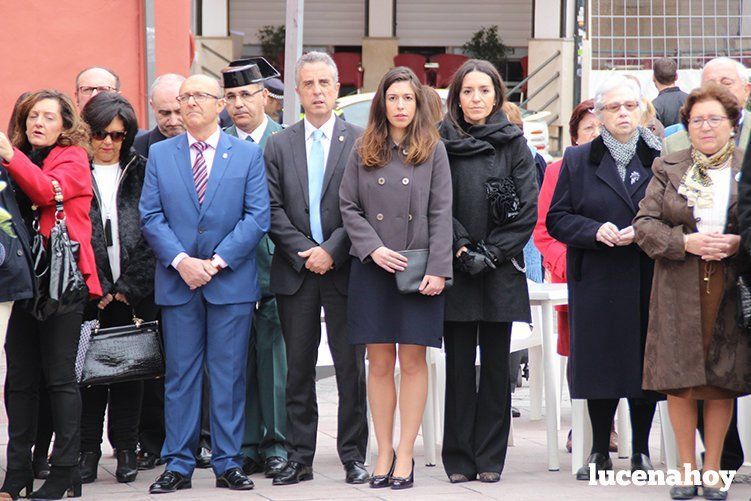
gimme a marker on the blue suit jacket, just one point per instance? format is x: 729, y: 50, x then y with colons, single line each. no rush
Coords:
x: 230, y: 222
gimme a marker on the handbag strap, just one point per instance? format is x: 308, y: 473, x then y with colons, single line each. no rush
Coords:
x: 136, y: 321
x: 59, y: 212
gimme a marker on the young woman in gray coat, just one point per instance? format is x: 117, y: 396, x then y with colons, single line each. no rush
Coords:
x: 494, y: 211
x: 396, y: 196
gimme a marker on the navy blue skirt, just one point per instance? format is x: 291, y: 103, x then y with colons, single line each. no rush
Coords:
x: 378, y: 313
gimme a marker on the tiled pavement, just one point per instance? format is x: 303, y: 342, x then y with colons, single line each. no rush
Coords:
x: 525, y: 476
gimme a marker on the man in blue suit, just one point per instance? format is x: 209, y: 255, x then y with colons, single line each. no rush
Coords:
x: 204, y: 208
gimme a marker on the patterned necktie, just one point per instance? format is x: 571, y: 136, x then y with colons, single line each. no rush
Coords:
x: 315, y: 185
x: 248, y: 138
x: 200, y: 172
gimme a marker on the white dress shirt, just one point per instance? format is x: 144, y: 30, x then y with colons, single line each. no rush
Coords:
x: 257, y: 134
x: 208, y: 155
x: 327, y: 129
x: 107, y: 178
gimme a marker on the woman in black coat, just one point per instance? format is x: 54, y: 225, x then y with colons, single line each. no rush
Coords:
x: 15, y: 252
x: 490, y: 287
x: 125, y: 265
x: 609, y: 277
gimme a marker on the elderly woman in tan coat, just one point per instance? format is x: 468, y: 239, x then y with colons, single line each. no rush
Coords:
x: 687, y: 223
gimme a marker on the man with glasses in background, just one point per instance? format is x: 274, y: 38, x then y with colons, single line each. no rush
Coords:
x: 265, y: 411
x: 94, y: 80
x: 204, y: 209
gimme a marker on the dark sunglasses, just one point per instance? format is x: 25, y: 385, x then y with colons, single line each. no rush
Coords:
x: 116, y: 135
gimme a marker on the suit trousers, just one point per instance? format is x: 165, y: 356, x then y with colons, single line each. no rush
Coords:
x: 300, y: 315
x: 265, y: 409
x: 477, y: 416
x: 195, y: 333
x: 33, y: 349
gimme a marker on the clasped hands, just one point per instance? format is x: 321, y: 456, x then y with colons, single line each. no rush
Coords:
x: 610, y: 235
x: 317, y: 260
x: 196, y: 272
x: 105, y: 300
x: 392, y: 262
x: 711, y: 246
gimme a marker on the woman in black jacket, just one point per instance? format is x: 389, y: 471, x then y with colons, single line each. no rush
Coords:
x: 125, y: 265
x: 494, y: 210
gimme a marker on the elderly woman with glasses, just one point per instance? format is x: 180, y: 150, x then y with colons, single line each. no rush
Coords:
x: 688, y: 224
x: 125, y: 265
x: 609, y: 278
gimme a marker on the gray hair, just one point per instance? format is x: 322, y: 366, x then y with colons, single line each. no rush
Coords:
x: 315, y: 57
x: 612, y: 83
x: 739, y: 68
x: 163, y: 79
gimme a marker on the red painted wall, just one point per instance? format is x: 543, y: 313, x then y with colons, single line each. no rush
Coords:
x: 45, y: 43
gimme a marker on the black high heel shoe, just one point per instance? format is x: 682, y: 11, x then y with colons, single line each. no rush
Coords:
x: 127, y: 466
x: 16, y: 481
x: 404, y: 483
x: 62, y: 480
x: 381, y: 481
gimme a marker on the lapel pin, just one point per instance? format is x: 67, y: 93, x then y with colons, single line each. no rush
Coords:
x: 224, y: 155
x: 341, y: 139
x: 634, y: 177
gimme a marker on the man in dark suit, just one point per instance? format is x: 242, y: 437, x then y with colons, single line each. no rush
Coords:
x: 204, y: 208
x: 310, y: 269
x: 265, y: 410
x: 163, y: 102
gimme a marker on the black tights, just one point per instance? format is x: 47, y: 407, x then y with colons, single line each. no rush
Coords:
x: 602, y: 412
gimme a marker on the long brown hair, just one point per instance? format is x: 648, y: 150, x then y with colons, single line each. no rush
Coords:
x: 421, y: 136
x: 75, y: 132
x: 454, y: 111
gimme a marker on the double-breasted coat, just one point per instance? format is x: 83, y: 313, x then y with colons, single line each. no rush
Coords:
x: 674, y: 356
x: 608, y: 287
x: 496, y: 149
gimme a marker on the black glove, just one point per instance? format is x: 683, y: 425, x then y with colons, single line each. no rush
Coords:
x: 474, y: 262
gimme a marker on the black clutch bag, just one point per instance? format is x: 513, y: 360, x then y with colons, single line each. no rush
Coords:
x: 409, y: 280
x: 743, y: 292
x: 123, y: 353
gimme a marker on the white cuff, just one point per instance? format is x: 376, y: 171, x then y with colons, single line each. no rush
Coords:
x: 218, y: 259
x: 178, y: 258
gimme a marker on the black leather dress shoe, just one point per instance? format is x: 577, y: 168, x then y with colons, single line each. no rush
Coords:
x: 356, y: 472
x: 146, y: 460
x: 273, y: 466
x: 235, y: 480
x: 203, y: 458
x: 293, y: 473
x: 251, y: 467
x: 601, y: 461
x: 641, y: 462
x: 169, y: 481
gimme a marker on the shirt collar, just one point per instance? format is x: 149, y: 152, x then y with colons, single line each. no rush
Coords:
x: 212, y: 141
x: 257, y: 134
x: 327, y: 128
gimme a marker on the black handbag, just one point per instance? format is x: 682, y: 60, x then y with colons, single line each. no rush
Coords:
x: 409, y: 280
x: 59, y: 286
x: 119, y: 354
x: 504, y: 204
x: 743, y: 301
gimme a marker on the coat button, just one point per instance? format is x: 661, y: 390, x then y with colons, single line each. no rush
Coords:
x: 379, y: 216
x: 381, y: 181
x: 405, y: 181
x: 409, y: 218
x: 19, y: 252
x: 200, y: 230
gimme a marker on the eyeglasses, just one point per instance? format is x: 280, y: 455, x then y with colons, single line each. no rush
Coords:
x: 87, y: 91
x: 116, y: 135
x: 198, y: 97
x: 243, y: 95
x: 616, y: 107
x: 713, y: 121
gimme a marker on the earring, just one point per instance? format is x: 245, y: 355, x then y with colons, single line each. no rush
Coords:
x: 732, y: 133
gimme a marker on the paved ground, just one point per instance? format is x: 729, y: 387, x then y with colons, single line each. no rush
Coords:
x: 524, y: 478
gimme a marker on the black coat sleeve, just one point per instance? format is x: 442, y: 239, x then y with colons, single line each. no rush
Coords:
x: 508, y: 241
x: 744, y: 202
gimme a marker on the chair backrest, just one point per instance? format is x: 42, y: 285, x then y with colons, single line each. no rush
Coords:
x: 447, y: 66
x: 350, y: 69
x: 414, y: 62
